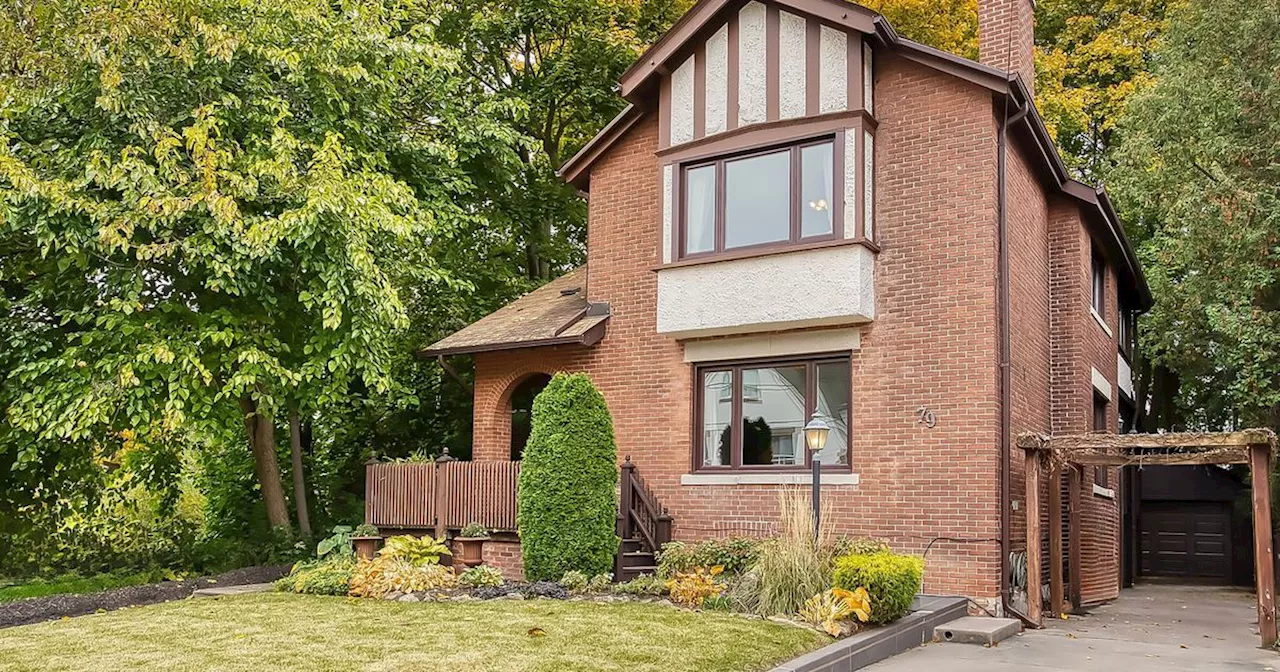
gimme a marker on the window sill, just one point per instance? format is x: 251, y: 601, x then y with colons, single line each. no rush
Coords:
x: 1101, y: 322
x: 1100, y: 491
x: 747, y: 478
x: 770, y: 250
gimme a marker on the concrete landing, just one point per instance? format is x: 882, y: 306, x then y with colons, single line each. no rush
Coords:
x: 977, y: 630
x: 223, y: 591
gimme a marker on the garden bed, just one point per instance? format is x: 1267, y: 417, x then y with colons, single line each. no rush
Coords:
x: 50, y: 607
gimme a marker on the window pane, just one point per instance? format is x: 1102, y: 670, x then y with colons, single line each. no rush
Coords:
x: 717, y: 416
x: 758, y: 200
x: 816, y: 201
x: 772, y: 432
x: 700, y: 209
x: 833, y: 403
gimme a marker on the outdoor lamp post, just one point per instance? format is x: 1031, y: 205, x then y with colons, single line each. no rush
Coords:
x: 815, y: 435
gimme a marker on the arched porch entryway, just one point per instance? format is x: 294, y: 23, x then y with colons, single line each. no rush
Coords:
x: 521, y: 408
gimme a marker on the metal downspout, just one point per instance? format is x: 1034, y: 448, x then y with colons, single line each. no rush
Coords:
x: 1006, y: 394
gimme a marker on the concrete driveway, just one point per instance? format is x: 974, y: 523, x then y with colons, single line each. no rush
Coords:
x: 1150, y: 628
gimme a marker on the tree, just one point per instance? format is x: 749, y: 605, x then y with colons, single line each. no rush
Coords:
x: 566, y: 504
x: 558, y: 63
x: 209, y: 208
x: 1197, y: 169
x: 1092, y: 56
x: 949, y: 25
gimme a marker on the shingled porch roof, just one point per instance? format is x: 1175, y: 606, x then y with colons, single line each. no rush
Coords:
x: 557, y: 313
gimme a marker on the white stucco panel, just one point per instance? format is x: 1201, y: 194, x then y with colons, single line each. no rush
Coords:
x: 851, y: 182
x: 717, y: 98
x: 824, y: 286
x: 1100, y: 383
x: 752, y: 62
x: 1124, y: 376
x: 668, y: 219
x: 682, y: 102
x: 791, y: 67
x: 833, y: 78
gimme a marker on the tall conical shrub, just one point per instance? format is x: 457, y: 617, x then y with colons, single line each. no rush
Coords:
x: 567, y: 505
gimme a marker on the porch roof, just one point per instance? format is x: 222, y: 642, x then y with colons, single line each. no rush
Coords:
x: 557, y: 313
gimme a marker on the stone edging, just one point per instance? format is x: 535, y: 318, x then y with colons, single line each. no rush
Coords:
x: 873, y: 646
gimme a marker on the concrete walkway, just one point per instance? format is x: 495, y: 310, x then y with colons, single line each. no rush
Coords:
x: 1150, y: 628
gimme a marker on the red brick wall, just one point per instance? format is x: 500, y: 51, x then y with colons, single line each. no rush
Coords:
x: 1081, y: 345
x: 499, y: 553
x: 1006, y: 36
x: 932, y: 344
x: 1028, y: 238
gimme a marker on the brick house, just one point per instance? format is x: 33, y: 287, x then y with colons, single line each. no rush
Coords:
x: 802, y: 211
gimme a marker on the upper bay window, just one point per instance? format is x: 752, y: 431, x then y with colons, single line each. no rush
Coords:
x: 778, y: 196
x: 752, y: 415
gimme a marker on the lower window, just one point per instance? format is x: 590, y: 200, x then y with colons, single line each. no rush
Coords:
x: 751, y: 415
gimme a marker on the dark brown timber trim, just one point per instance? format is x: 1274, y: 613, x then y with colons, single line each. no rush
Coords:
x: 772, y: 62
x: 763, y: 135
x: 853, y: 72
x: 813, y: 66
x: 700, y: 90
x: 731, y: 76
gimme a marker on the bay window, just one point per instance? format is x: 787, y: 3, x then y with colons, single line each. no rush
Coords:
x: 751, y: 415
x: 773, y: 197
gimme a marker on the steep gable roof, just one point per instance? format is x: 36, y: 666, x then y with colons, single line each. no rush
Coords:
x: 638, y: 88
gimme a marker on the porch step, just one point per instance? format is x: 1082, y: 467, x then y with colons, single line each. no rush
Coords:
x: 977, y: 630
x: 635, y: 559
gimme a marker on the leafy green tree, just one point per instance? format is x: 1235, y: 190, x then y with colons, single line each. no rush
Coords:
x: 1197, y: 175
x: 1092, y: 56
x: 558, y: 63
x: 212, y: 206
x: 566, y: 504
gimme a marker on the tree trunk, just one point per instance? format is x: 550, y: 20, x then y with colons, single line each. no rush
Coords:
x: 299, y: 478
x: 262, y: 441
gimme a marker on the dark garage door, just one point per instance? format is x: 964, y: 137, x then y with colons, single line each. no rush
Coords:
x: 1189, y: 540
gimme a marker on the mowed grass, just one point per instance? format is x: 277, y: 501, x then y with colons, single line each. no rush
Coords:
x: 297, y: 632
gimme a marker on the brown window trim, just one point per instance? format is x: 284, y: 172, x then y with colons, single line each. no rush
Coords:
x: 758, y: 251
x: 795, y: 235
x: 1100, y: 425
x: 735, y: 450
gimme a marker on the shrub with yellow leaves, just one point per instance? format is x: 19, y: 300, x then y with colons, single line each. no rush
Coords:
x: 691, y: 589
x: 833, y: 610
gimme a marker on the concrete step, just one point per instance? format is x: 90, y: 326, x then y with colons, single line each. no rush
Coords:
x: 977, y: 630
x: 223, y: 591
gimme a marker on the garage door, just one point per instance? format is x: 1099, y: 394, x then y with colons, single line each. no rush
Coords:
x: 1190, y: 540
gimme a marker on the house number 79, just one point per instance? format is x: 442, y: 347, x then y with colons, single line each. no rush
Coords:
x: 925, y: 417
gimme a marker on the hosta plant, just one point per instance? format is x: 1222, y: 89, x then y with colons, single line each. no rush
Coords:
x: 424, y: 550
x: 383, y: 575
x: 482, y: 576
x: 835, y: 610
x: 691, y: 589
x: 574, y: 581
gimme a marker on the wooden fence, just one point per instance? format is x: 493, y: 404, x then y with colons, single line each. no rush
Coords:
x: 441, y: 495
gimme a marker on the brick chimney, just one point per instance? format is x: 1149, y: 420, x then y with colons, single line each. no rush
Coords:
x: 1006, y: 36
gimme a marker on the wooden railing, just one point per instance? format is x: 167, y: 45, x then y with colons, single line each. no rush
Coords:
x: 639, y: 514
x: 442, y: 495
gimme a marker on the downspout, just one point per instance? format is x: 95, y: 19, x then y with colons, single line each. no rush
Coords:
x: 1006, y: 394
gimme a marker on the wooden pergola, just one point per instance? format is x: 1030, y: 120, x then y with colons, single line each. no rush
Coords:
x: 1254, y: 447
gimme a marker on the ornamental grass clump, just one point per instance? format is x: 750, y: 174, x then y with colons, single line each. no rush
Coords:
x: 792, y: 567
x: 566, y: 502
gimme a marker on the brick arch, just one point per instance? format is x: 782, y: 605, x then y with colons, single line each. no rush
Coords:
x: 492, y: 414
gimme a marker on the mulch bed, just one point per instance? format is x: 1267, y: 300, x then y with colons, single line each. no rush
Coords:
x: 51, y: 607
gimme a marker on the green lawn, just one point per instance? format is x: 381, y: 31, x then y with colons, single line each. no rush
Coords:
x: 295, y: 632
x: 60, y: 586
